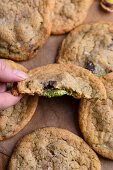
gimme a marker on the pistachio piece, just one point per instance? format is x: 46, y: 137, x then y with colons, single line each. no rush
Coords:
x: 55, y: 92
x: 107, y: 5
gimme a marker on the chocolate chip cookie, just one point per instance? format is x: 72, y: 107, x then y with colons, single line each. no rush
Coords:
x: 13, y: 119
x: 68, y: 14
x: 89, y: 46
x: 54, y: 149
x: 24, y: 27
x: 62, y: 79
x: 96, y: 120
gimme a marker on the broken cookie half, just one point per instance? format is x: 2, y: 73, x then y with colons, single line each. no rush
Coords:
x: 62, y: 79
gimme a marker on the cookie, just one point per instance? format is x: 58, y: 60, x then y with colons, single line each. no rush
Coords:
x: 53, y: 148
x: 96, y: 120
x: 89, y: 46
x: 69, y: 14
x: 13, y: 119
x: 24, y: 27
x: 60, y: 79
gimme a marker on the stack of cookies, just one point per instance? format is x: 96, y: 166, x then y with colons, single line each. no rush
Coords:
x: 84, y: 70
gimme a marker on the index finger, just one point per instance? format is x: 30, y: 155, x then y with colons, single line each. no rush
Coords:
x: 7, y: 74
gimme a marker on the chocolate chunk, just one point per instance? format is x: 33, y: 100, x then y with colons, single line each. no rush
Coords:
x: 90, y: 66
x: 50, y: 85
x: 37, y: 48
x: 110, y: 45
x: 41, y: 23
x: 31, y: 46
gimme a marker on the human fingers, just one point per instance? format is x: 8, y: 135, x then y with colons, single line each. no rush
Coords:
x: 7, y: 74
x: 7, y: 100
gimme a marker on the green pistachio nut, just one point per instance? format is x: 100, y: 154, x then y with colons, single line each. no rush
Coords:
x: 107, y: 1
x: 60, y: 92
x: 55, y: 92
x: 107, y: 5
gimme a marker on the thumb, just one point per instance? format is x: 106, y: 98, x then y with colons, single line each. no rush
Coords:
x: 7, y: 100
x: 7, y: 74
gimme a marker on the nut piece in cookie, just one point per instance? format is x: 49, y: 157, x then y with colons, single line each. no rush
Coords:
x: 62, y: 79
x: 55, y: 149
x: 107, y: 5
x: 24, y: 27
x: 89, y: 46
x: 96, y: 120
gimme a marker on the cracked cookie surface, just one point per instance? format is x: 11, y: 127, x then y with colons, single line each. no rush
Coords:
x: 14, y: 118
x: 96, y: 120
x: 69, y: 14
x: 65, y: 78
x: 24, y: 27
x: 53, y: 148
x: 89, y: 46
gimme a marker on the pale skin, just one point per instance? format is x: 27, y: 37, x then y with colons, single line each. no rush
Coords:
x: 7, y: 74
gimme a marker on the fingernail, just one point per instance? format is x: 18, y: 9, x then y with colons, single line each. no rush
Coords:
x: 20, y: 74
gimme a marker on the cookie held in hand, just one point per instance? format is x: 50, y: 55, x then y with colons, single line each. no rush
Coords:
x: 60, y: 79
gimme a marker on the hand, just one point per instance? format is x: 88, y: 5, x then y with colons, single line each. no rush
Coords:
x: 7, y: 74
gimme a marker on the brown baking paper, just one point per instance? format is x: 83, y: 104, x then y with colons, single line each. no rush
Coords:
x: 62, y: 111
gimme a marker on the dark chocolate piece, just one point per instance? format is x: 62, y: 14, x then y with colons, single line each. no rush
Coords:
x: 50, y: 85
x: 90, y: 66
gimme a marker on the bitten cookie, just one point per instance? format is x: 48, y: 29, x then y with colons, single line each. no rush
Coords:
x: 89, y: 46
x: 53, y: 148
x: 60, y: 79
x: 24, y: 27
x: 96, y: 120
x: 13, y: 119
x: 69, y: 14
